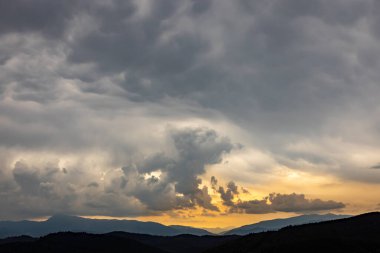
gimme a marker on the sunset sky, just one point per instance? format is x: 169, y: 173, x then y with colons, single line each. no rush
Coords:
x: 209, y: 113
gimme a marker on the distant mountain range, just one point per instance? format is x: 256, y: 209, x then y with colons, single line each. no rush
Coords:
x: 63, y: 223
x: 276, y: 224
x: 60, y: 223
x: 355, y: 234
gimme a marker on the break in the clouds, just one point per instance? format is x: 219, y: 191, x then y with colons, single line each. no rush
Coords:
x: 121, y: 107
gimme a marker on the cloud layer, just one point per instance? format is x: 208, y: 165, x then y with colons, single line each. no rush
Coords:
x: 286, y: 203
x: 120, y: 107
x: 274, y: 202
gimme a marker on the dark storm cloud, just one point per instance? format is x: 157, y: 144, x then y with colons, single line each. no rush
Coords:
x: 195, y: 148
x: 47, y: 17
x: 272, y: 57
x: 31, y: 180
x: 228, y: 195
x: 282, y: 63
x: 271, y: 43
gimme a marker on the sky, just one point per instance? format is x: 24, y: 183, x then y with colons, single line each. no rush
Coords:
x: 196, y: 112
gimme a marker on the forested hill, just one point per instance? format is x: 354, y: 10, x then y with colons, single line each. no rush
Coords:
x: 357, y: 234
x: 111, y: 242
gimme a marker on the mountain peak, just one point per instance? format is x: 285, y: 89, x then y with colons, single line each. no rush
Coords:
x: 276, y: 224
x: 63, y: 218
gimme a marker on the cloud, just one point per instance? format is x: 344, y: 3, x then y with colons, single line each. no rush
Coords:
x: 32, y: 180
x: 214, y: 182
x: 194, y: 149
x: 274, y: 202
x: 157, y: 183
x: 245, y: 190
x: 93, y: 184
x: 228, y: 195
x: 41, y: 16
x: 94, y: 84
x: 277, y: 202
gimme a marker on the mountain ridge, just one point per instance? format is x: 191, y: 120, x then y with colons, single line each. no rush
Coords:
x: 60, y: 223
x: 354, y: 234
x: 276, y: 224
x: 112, y: 242
x: 359, y: 234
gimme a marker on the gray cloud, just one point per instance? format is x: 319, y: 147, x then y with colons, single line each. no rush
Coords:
x: 79, y: 78
x: 272, y: 54
x: 277, y: 202
x: 245, y: 190
x: 195, y: 148
x: 160, y: 182
x: 214, y: 182
x: 228, y: 195
x: 31, y: 180
x: 40, y: 16
x: 93, y: 184
x: 274, y: 202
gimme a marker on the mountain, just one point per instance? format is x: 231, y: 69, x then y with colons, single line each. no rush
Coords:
x: 79, y: 242
x: 190, y: 230
x: 219, y: 230
x: 359, y: 234
x: 184, y: 243
x: 112, y: 242
x: 17, y: 239
x: 276, y: 224
x: 356, y: 234
x: 59, y: 223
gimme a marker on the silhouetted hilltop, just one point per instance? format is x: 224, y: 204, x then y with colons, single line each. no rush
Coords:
x: 191, y: 230
x: 185, y: 243
x: 357, y: 234
x: 22, y: 238
x: 79, y: 242
x: 62, y: 223
x: 112, y: 242
x: 276, y: 224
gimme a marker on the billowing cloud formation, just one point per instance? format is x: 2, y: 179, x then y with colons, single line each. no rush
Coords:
x: 157, y: 183
x: 213, y: 182
x: 277, y: 202
x: 274, y: 202
x: 195, y: 148
x: 262, y: 65
x: 46, y: 190
x: 228, y: 194
x: 94, y: 85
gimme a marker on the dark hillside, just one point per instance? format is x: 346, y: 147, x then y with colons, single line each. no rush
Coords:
x: 356, y: 234
x: 112, y: 242
x: 79, y: 243
x: 179, y: 243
